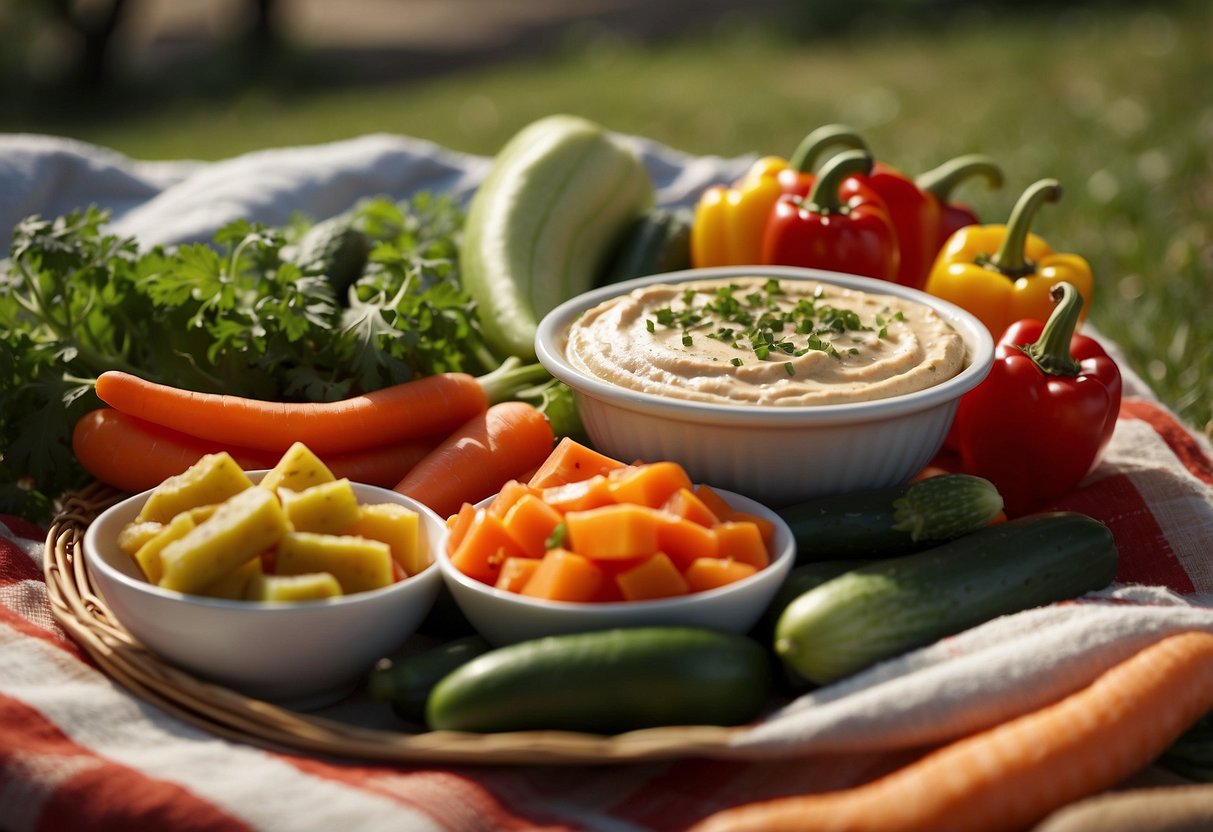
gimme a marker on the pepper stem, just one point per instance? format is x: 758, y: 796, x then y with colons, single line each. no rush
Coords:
x: 825, y: 197
x: 807, y: 153
x: 940, y: 182
x: 1051, y: 351
x: 1010, y: 259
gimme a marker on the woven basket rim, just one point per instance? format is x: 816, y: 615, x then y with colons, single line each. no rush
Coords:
x: 79, y: 608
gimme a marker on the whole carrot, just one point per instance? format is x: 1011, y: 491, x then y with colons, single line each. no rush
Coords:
x: 1011, y: 776
x: 428, y: 406
x: 133, y: 455
x: 490, y: 449
x: 383, y: 465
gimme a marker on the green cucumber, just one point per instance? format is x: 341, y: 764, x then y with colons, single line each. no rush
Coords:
x: 886, y: 608
x: 657, y: 243
x: 606, y: 682
x: 554, y: 204
x: 800, y: 580
x: 406, y: 683
x: 887, y: 522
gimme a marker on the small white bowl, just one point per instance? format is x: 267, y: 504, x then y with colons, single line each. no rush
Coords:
x: 778, y: 455
x: 300, y: 654
x: 504, y: 617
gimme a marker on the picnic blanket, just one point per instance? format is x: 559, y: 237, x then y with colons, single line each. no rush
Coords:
x: 78, y: 751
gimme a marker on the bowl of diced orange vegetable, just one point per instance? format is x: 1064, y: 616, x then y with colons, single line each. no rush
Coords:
x: 285, y: 584
x: 590, y: 542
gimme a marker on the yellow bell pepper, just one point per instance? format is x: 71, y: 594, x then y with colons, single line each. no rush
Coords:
x: 1003, y: 273
x: 729, y: 220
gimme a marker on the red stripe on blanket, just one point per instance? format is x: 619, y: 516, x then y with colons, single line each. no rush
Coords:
x: 22, y: 527
x: 55, y: 637
x: 16, y: 565
x: 1146, y: 556
x: 449, y: 799
x: 691, y: 789
x: 1178, y: 438
x: 79, y: 790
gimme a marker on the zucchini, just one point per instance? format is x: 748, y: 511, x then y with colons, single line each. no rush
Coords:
x: 606, y: 682
x: 554, y: 204
x: 887, y: 522
x: 405, y: 683
x: 888, y: 607
x: 657, y: 243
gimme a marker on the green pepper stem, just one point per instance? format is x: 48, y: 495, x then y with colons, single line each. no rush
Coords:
x: 1011, y: 259
x: 1051, y: 351
x: 809, y: 151
x: 940, y: 182
x: 825, y: 198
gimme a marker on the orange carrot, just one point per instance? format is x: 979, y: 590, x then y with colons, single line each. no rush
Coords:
x: 1011, y: 776
x: 133, y: 455
x: 384, y: 465
x: 429, y: 406
x: 478, y: 458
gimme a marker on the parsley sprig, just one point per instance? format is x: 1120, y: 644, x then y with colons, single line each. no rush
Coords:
x: 306, y: 312
x: 761, y: 322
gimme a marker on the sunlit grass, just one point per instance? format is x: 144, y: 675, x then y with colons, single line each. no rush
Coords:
x: 1115, y: 102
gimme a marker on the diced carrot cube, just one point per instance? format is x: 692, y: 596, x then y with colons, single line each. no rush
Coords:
x: 484, y: 547
x: 686, y: 504
x: 614, y: 531
x: 741, y: 541
x: 564, y: 576
x: 712, y: 499
x: 685, y: 540
x: 709, y: 573
x: 720, y: 507
x: 509, y: 494
x: 656, y: 577
x: 531, y: 521
x: 649, y: 485
x: 579, y: 496
x: 458, y: 524
x: 515, y: 572
x: 570, y: 461
x: 765, y: 527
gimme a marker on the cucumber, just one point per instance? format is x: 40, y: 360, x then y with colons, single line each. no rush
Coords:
x: 657, y: 243
x: 800, y: 580
x: 891, y: 606
x: 606, y: 682
x: 405, y: 683
x: 556, y: 201
x: 887, y: 522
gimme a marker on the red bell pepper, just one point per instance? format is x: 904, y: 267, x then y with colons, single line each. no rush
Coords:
x: 939, y: 183
x: 1040, y: 421
x: 913, y: 212
x: 826, y: 231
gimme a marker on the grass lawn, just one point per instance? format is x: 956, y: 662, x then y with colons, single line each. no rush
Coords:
x: 1111, y: 99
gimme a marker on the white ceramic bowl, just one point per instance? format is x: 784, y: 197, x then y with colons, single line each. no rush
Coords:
x: 778, y: 455
x: 506, y: 617
x: 299, y: 654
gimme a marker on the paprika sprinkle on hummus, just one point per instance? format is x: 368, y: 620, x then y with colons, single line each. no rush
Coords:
x: 765, y: 341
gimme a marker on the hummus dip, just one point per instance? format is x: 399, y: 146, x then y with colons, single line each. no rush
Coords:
x: 763, y: 341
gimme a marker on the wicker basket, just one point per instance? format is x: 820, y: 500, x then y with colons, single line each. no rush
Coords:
x: 84, y: 615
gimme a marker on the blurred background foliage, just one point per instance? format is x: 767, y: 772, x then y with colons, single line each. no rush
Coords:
x: 1113, y: 98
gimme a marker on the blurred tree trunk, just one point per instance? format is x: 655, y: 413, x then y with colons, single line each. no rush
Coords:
x: 94, y: 24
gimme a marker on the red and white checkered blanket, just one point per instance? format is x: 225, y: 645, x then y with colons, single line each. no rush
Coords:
x: 78, y: 752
